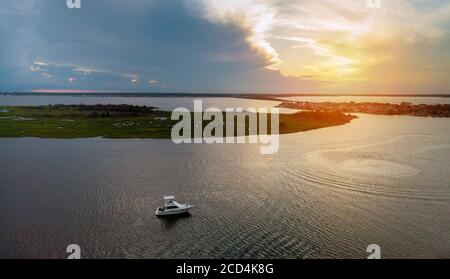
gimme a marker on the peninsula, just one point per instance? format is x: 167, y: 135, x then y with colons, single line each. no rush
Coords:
x: 423, y: 110
x: 126, y: 121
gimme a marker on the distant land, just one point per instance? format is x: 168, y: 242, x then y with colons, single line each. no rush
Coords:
x: 405, y: 108
x: 274, y: 97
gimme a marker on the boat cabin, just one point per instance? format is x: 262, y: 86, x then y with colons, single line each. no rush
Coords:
x: 169, y: 203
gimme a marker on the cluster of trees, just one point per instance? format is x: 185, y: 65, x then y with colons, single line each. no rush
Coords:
x: 325, y: 115
x: 109, y: 110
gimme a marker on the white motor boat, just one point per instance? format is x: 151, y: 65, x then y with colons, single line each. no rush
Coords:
x: 171, y: 207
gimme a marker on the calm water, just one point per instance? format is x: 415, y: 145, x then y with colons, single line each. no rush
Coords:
x: 162, y: 103
x: 327, y: 193
x: 392, y: 100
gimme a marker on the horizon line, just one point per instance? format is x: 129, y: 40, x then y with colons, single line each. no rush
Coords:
x: 137, y: 93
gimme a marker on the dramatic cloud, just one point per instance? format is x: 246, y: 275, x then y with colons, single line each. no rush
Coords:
x: 345, y: 44
x: 225, y: 46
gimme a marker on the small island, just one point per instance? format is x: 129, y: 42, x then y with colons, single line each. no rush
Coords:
x: 127, y: 121
x: 423, y: 110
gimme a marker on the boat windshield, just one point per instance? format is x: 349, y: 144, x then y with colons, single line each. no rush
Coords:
x: 171, y: 207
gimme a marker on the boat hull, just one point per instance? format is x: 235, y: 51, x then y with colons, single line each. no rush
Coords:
x: 177, y: 211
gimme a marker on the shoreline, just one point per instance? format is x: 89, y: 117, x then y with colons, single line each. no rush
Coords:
x: 375, y: 108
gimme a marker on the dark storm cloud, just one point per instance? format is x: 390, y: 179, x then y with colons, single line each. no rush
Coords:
x: 122, y: 45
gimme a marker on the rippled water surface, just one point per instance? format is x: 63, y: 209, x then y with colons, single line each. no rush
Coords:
x: 327, y: 193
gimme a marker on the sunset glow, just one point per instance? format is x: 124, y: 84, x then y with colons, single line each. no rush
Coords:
x: 346, y: 44
x: 298, y: 46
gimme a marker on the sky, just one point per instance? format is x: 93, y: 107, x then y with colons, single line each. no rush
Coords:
x: 232, y: 46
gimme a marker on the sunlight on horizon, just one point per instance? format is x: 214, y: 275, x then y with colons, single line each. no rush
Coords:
x: 345, y: 45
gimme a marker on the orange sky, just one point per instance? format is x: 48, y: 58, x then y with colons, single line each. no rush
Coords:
x: 347, y: 45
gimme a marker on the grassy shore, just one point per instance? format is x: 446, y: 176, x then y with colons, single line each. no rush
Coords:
x: 125, y: 121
